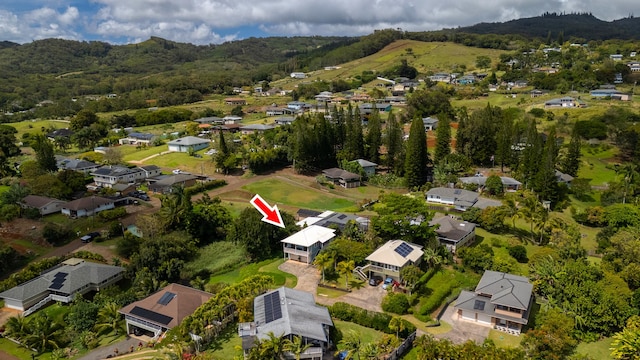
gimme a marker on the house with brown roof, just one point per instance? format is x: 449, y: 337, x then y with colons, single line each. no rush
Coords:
x: 454, y: 233
x: 163, y: 310
x: 45, y: 205
x: 166, y: 183
x: 87, y: 206
x: 235, y: 101
x: 341, y: 177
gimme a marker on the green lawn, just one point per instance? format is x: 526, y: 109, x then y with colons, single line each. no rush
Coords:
x: 596, y: 350
x: 266, y: 267
x: 365, y: 334
x: 502, y: 339
x: 18, y: 351
x: 218, y: 257
x: 595, y: 166
x: 130, y: 152
x: 183, y: 161
x: 277, y: 191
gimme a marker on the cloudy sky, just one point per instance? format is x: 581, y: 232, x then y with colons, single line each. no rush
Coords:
x: 216, y: 21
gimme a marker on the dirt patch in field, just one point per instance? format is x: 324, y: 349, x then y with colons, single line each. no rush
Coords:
x: 107, y: 251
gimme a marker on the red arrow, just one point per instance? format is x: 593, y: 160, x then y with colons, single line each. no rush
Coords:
x: 269, y: 215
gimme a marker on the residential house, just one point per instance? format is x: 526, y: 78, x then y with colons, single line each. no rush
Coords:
x: 430, y: 123
x: 82, y: 166
x: 454, y: 233
x: 213, y: 120
x: 564, y: 102
x: 231, y: 119
x: 441, y: 77
x: 466, y: 80
x: 287, y: 313
x: 188, y: 144
x: 330, y: 219
x: 395, y: 100
x: 277, y: 111
x: 616, y: 57
x: 298, y: 75
x: 61, y: 283
x: 87, y: 206
x: 501, y: 301
x: 368, y: 166
x: 367, y: 108
x: 235, y: 101
x: 256, y: 128
x: 563, y: 178
x: 341, y: 177
x: 535, y: 93
x: 458, y: 198
x: 164, y: 309
x: 304, y: 245
x: 44, y: 205
x: 298, y: 106
x: 389, y: 259
x: 325, y: 96
x: 150, y: 170
x: 136, y: 138
x: 602, y: 93
x: 107, y: 176
x: 634, y: 66
x: 165, y: 184
x: 284, y: 120
x: 60, y: 133
x: 508, y: 183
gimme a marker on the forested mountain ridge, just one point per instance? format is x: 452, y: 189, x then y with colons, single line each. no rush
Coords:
x: 583, y: 26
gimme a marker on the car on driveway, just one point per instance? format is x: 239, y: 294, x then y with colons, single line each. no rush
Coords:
x: 375, y: 280
x: 387, y: 283
x: 90, y: 236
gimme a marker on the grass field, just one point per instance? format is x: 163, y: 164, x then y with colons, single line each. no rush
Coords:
x: 217, y: 257
x: 366, y: 335
x: 596, y: 165
x: 266, y: 267
x: 596, y: 350
x: 280, y: 192
x: 502, y: 339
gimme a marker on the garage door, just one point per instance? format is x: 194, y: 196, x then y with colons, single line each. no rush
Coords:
x: 468, y: 315
x: 484, y: 319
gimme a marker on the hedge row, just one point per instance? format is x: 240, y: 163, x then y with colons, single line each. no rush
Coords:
x: 201, y: 187
x: 371, y: 319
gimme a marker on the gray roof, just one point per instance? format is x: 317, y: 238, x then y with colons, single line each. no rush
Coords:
x: 300, y: 315
x: 79, y: 275
x: 257, y: 127
x: 563, y: 177
x: 365, y: 163
x: 451, y: 228
x: 75, y: 164
x: 461, y: 197
x: 141, y: 136
x: 506, y: 289
x: 37, y: 202
x: 173, y: 180
x: 481, y: 180
x: 188, y: 141
x: 429, y: 121
x: 115, y: 171
x: 336, y: 173
x: 87, y: 203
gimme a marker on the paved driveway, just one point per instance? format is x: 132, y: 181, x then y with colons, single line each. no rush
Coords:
x: 368, y: 297
x: 462, y: 330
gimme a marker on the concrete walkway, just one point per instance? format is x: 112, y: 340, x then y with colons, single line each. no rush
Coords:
x: 123, y: 347
x: 462, y: 330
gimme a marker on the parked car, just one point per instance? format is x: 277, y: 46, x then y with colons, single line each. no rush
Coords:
x: 90, y: 236
x: 375, y: 281
x: 211, y: 152
x: 387, y: 283
x: 342, y: 355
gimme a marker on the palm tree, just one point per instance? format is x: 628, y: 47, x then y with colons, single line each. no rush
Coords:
x: 370, y: 351
x: 344, y: 268
x: 626, y: 344
x: 511, y: 210
x: 431, y: 257
x: 397, y: 324
x: 109, y: 319
x: 175, y: 208
x: 630, y: 174
x: 323, y: 260
x: 351, y: 344
x: 273, y: 347
x: 296, y: 346
x: 44, y: 333
x: 17, y: 327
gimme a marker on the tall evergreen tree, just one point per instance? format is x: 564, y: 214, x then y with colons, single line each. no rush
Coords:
x: 462, y: 135
x: 504, y: 141
x: 571, y: 163
x: 374, y: 137
x: 394, y: 144
x: 531, y: 154
x: 443, y: 138
x: 417, y: 157
x: 45, y: 155
x: 482, y: 134
x: 545, y: 182
x: 354, y: 142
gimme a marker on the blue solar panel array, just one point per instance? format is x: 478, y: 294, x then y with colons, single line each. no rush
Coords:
x: 272, y: 308
x: 166, y: 298
x: 151, y: 315
x: 478, y: 305
x: 58, y: 280
x: 403, y: 249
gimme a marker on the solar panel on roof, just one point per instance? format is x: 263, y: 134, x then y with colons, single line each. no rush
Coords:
x: 478, y: 305
x: 56, y: 286
x: 151, y: 315
x: 272, y: 308
x: 60, y: 275
x: 341, y: 217
x: 403, y: 249
x: 166, y: 298
x: 457, y: 191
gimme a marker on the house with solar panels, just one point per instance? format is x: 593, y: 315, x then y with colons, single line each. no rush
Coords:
x: 163, y: 310
x: 287, y: 313
x: 61, y: 283
x: 501, y: 301
x: 389, y: 259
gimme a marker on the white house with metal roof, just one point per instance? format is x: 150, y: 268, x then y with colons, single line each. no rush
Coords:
x: 304, y: 245
x: 368, y: 166
x: 287, y: 312
x: 61, y: 283
x: 460, y: 199
x: 501, y: 301
x: 389, y: 259
x: 509, y: 184
x: 188, y: 143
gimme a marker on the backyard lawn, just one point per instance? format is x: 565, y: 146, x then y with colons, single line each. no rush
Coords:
x: 266, y: 267
x: 365, y: 334
x: 596, y: 350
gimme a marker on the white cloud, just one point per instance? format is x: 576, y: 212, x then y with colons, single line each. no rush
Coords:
x: 211, y: 21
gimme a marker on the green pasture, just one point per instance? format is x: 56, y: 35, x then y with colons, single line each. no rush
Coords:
x: 597, y: 349
x: 266, y: 267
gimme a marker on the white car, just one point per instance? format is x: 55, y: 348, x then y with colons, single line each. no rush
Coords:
x: 211, y: 152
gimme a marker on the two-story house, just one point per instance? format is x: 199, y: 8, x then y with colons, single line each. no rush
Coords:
x: 389, y: 259
x: 454, y: 233
x: 304, y: 245
x: 107, y: 176
x: 501, y: 301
